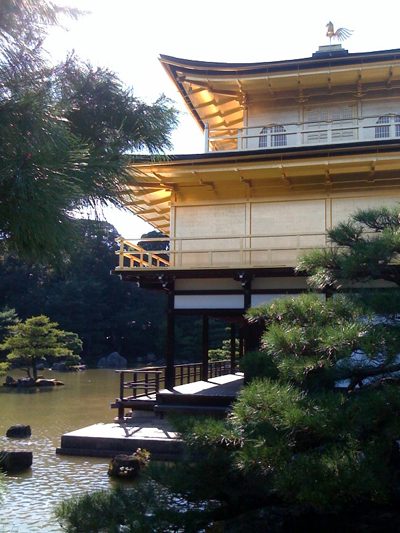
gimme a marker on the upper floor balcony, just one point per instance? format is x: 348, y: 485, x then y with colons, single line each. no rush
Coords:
x: 222, y: 252
x: 295, y: 134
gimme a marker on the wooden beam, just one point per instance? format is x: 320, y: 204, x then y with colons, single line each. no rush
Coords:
x: 221, y: 101
x: 206, y: 86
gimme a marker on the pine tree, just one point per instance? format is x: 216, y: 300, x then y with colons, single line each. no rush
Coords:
x: 36, y: 339
x: 363, y: 249
x: 66, y: 134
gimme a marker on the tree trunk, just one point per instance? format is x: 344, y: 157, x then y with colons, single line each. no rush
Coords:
x: 34, y: 369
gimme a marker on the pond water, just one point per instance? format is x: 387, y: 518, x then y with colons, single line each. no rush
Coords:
x: 30, y: 496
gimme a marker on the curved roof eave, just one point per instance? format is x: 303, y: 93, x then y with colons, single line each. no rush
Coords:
x: 208, y: 67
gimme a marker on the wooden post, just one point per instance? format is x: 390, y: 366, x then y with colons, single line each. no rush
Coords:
x: 121, y: 409
x: 121, y: 253
x: 241, y: 343
x: 170, y: 356
x: 206, y: 138
x: 135, y: 380
x: 233, y: 349
x: 204, y: 376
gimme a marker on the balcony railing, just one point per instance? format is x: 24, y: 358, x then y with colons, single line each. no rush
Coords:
x: 132, y: 254
x: 273, y: 136
x: 244, y: 251
x: 144, y: 383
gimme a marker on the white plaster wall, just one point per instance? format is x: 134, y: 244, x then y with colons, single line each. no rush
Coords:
x: 209, y: 301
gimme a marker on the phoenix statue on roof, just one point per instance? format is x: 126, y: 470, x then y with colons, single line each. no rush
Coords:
x: 341, y: 34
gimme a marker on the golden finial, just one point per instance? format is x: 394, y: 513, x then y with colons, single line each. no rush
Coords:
x: 341, y: 34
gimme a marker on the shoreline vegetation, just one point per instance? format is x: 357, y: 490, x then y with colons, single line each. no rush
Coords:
x: 312, y: 442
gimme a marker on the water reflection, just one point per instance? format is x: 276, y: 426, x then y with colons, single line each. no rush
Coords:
x: 31, y: 495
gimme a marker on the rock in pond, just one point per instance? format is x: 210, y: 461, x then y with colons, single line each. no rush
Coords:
x: 25, y: 383
x: 15, y: 460
x: 29, y: 383
x: 114, y: 360
x: 129, y: 466
x: 10, y: 382
x: 62, y: 367
x: 19, y: 431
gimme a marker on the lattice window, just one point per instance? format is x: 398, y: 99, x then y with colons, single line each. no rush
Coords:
x: 278, y: 138
x: 340, y: 119
x: 383, y: 129
x: 277, y: 135
x: 263, y: 140
x: 397, y: 125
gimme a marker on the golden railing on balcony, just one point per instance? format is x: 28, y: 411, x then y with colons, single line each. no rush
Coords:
x: 253, y: 250
x: 139, y: 256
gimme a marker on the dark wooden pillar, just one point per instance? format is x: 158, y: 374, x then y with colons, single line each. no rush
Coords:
x: 252, y: 337
x: 204, y: 375
x: 233, y: 348
x: 170, y: 356
x: 248, y: 341
x: 241, y: 342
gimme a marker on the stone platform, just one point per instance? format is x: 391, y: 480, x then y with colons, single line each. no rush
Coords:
x: 107, y: 440
x: 143, y: 430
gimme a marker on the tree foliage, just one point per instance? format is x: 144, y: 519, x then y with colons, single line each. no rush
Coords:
x: 33, y: 17
x: 36, y: 339
x: 66, y: 134
x: 364, y: 248
x: 150, y: 508
x: 8, y: 317
x: 314, y: 343
x: 107, y: 314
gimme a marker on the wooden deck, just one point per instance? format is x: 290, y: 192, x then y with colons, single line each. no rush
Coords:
x: 145, y: 430
x: 228, y: 385
x: 141, y: 388
x: 214, y: 396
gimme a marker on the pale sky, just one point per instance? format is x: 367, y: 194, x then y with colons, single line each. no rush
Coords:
x: 127, y: 37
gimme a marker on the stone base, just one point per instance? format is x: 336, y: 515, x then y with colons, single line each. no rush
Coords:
x: 14, y: 461
x: 29, y: 383
x: 129, y: 466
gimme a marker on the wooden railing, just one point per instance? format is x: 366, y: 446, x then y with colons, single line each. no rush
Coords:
x: 216, y: 251
x: 145, y: 383
x: 345, y: 130
x: 189, y: 373
x: 138, y: 256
